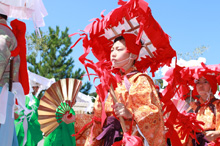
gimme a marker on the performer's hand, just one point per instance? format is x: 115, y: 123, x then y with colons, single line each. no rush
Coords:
x: 212, y: 135
x: 68, y: 118
x: 166, y: 129
x: 121, y: 110
x: 16, y: 116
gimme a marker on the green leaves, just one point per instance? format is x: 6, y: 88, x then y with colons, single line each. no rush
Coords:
x: 50, y: 56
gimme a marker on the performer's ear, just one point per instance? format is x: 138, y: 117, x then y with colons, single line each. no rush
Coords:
x: 133, y: 56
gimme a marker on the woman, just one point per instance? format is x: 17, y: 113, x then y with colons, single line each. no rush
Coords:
x: 203, y: 125
x: 137, y: 99
x: 135, y: 92
x: 207, y: 110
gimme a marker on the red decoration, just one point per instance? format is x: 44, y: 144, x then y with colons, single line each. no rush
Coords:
x: 19, y: 30
x: 179, y: 79
x: 136, y: 17
x: 146, y: 28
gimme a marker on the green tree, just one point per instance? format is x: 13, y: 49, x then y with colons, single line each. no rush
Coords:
x: 50, y: 56
x: 159, y: 82
x: 93, y: 94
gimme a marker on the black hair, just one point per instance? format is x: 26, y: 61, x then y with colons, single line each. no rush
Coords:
x: 122, y: 38
x: 119, y: 38
x: 4, y: 16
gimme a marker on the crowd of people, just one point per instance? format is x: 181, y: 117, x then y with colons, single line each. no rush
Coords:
x: 129, y: 109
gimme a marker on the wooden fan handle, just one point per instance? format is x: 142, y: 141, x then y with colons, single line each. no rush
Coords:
x: 122, y: 122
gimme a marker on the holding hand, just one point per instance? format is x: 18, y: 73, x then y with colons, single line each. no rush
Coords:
x: 16, y: 116
x: 212, y: 135
x: 121, y: 110
x: 68, y: 118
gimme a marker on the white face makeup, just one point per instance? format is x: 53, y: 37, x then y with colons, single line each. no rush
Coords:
x: 203, y: 88
x: 119, y: 56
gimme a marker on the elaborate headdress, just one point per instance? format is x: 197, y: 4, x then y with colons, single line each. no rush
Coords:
x: 132, y: 16
x: 179, y: 79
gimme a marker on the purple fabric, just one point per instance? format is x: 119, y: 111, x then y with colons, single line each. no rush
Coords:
x: 111, y: 131
x: 201, y: 139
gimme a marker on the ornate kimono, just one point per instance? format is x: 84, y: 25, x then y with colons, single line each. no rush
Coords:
x: 210, y: 115
x: 7, y: 44
x: 141, y: 99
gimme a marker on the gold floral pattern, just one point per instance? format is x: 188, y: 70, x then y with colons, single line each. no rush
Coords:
x: 143, y: 102
x: 211, y: 122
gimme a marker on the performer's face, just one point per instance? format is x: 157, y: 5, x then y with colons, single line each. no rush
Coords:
x: 119, y: 55
x: 35, y: 88
x: 202, y: 86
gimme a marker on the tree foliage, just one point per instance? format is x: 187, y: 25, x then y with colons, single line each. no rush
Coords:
x: 50, y: 56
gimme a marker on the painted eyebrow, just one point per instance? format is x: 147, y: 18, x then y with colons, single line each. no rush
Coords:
x: 115, y: 47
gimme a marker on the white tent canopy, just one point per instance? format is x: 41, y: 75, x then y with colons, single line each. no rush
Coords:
x: 83, y: 103
x: 37, y: 80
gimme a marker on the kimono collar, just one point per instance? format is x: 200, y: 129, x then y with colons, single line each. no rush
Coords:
x: 132, y: 70
x: 201, y: 102
x: 209, y: 104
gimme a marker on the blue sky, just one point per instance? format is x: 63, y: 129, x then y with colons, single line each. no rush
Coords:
x: 190, y: 24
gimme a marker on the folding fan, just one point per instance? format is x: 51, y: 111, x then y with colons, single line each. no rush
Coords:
x: 57, y: 100
x: 181, y: 106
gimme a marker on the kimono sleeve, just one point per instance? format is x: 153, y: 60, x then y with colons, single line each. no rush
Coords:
x: 217, y: 125
x: 146, y: 107
x: 96, y: 127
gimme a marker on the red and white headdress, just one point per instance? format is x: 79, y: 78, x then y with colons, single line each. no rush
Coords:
x: 179, y: 81
x: 133, y: 16
x: 180, y: 78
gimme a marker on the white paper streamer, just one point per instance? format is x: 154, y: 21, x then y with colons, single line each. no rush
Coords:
x: 3, y: 103
x: 19, y: 95
x: 25, y: 125
x: 145, y: 140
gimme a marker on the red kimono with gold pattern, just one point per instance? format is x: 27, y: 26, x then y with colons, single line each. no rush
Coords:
x: 210, y: 118
x: 205, y: 114
x: 143, y: 102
